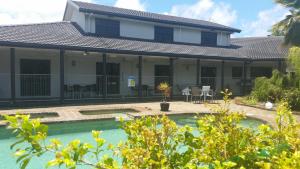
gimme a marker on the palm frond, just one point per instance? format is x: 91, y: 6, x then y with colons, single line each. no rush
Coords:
x: 289, y: 3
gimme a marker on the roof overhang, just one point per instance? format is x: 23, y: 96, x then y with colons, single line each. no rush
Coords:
x: 114, y: 51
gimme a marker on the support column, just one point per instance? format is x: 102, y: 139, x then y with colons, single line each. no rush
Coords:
x: 62, y: 75
x: 13, y: 75
x: 279, y: 66
x: 244, y: 78
x: 222, y: 75
x: 104, y: 76
x: 198, y: 72
x: 171, y: 77
x: 140, y: 82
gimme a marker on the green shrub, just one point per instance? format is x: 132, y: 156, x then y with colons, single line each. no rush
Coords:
x: 292, y: 97
x: 265, y: 90
x: 276, y: 88
x: 221, y: 144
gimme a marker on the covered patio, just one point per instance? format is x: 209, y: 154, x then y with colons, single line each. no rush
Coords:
x: 35, y: 74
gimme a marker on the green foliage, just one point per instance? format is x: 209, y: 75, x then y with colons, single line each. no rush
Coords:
x: 71, y: 155
x: 266, y: 89
x: 278, y: 87
x: 294, y: 59
x: 292, y: 97
x: 247, y: 100
x: 218, y: 142
x: 165, y: 89
x: 289, y: 26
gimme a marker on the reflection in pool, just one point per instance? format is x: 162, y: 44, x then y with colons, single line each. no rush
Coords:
x: 82, y: 130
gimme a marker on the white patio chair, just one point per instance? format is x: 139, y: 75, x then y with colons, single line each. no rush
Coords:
x: 206, y: 92
x: 186, y: 92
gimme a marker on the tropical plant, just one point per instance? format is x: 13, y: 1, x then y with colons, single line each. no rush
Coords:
x: 279, y: 87
x: 218, y: 142
x: 290, y: 26
x: 165, y: 89
x: 294, y: 59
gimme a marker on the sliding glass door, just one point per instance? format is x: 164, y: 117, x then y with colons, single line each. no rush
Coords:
x: 208, y: 77
x: 35, y: 77
x: 113, y: 78
x: 162, y: 74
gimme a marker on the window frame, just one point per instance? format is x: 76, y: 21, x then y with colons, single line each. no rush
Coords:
x: 110, y: 28
x: 241, y: 72
x: 163, y: 34
x: 256, y: 68
x: 207, y: 40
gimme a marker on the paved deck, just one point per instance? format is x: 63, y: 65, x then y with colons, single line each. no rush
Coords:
x: 72, y: 113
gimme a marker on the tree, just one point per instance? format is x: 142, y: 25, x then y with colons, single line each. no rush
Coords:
x: 290, y: 26
x: 294, y: 59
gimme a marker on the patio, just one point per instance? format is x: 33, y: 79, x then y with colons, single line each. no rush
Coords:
x: 72, y: 113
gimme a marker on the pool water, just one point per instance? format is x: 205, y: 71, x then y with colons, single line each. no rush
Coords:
x: 82, y: 130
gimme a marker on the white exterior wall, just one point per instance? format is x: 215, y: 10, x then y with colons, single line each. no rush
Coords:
x: 80, y: 19
x: 187, y: 35
x: 51, y: 55
x: 136, y: 30
x: 80, y: 69
x: 185, y: 73
x: 5, y: 73
x: 128, y: 67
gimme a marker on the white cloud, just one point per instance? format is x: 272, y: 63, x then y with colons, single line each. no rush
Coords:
x: 263, y: 23
x: 131, y: 4
x: 31, y: 11
x: 207, y: 10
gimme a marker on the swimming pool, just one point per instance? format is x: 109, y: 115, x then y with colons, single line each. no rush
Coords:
x: 82, y: 130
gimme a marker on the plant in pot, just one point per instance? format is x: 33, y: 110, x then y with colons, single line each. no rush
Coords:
x: 165, y: 89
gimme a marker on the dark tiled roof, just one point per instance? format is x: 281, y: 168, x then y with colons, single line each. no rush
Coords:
x: 257, y: 48
x: 121, y: 12
x: 69, y: 36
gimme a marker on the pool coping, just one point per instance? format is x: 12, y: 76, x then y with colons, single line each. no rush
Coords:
x: 53, y: 120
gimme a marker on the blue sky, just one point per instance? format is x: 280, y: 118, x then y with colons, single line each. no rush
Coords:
x: 253, y: 17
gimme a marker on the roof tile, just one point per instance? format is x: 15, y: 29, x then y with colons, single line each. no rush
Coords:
x: 69, y: 36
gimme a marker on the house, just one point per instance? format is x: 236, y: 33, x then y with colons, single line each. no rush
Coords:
x: 102, y: 52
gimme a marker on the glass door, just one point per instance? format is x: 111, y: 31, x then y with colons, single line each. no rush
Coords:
x: 161, y: 74
x: 35, y: 78
x: 208, y: 77
x: 113, y: 77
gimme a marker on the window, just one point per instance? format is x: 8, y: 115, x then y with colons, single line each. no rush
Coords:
x: 237, y: 72
x: 107, y: 28
x: 163, y: 34
x: 261, y: 72
x: 209, y: 38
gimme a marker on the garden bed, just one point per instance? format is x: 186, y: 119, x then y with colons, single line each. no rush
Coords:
x: 242, y: 101
x: 40, y: 115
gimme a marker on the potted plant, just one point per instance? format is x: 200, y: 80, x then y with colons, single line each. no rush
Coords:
x: 165, y: 89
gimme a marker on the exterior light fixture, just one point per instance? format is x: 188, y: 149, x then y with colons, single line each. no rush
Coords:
x: 85, y: 53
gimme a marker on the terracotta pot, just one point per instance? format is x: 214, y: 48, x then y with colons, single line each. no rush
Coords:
x: 164, y: 106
